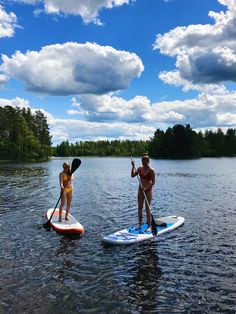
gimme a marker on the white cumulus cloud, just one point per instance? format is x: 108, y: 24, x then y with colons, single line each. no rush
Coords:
x: 204, y: 112
x: 8, y: 23
x: 111, y: 108
x: 16, y: 102
x: 205, y: 54
x: 73, y: 68
x: 3, y: 79
x: 77, y: 130
x: 87, y: 9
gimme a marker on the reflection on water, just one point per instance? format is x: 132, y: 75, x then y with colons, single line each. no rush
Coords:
x: 23, y: 171
x: 191, y: 270
x: 143, y: 285
x: 67, y: 245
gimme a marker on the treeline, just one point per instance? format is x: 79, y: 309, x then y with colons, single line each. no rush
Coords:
x: 183, y: 142
x: 177, y: 142
x: 101, y: 148
x: 23, y: 136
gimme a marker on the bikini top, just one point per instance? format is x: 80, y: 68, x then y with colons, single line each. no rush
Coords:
x: 147, y: 176
x: 66, y: 178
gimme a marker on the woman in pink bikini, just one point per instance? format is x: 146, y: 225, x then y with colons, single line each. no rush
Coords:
x: 65, y: 179
x: 147, y: 178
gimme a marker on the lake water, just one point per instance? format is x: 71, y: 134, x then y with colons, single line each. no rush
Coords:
x: 191, y: 270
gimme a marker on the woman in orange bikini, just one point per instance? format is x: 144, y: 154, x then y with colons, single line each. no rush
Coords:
x: 147, y: 178
x: 65, y: 179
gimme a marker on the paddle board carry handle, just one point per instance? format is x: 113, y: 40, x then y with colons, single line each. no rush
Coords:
x: 76, y: 162
x: 154, y: 227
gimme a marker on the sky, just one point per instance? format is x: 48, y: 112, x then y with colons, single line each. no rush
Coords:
x: 120, y: 69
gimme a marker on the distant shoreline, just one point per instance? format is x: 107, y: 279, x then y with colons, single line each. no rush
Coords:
x: 111, y: 156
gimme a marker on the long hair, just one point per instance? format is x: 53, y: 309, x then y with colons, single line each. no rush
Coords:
x: 66, y: 164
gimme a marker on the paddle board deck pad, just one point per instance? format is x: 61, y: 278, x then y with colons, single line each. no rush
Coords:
x: 131, y: 235
x: 71, y: 226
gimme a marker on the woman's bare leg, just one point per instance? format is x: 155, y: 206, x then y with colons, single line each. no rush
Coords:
x: 148, y: 211
x: 140, y: 208
x: 63, y: 200
x: 69, y: 200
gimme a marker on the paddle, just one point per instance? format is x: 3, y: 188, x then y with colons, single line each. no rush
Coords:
x: 154, y: 227
x: 75, y: 165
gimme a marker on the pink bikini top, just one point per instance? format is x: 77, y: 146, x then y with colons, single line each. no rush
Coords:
x: 147, y: 176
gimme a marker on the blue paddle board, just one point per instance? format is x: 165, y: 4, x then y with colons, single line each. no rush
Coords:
x: 131, y: 235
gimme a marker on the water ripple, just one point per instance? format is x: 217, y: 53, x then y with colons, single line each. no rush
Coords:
x: 191, y: 270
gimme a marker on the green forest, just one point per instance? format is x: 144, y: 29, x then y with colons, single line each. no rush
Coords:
x: 25, y: 136
x: 101, y: 148
x: 177, y: 142
x: 183, y: 142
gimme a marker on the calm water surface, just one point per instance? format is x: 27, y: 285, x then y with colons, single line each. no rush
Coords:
x: 191, y: 270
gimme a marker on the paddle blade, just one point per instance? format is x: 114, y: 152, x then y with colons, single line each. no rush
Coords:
x: 47, y: 225
x: 154, y: 227
x: 76, y: 162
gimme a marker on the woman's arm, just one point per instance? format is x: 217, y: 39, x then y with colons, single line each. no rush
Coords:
x: 133, y: 170
x: 71, y: 178
x: 153, y: 177
x: 61, y: 180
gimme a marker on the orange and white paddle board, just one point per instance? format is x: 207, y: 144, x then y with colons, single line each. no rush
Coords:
x: 71, y: 226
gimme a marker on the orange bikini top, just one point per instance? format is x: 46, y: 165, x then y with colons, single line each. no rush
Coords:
x: 66, y: 178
